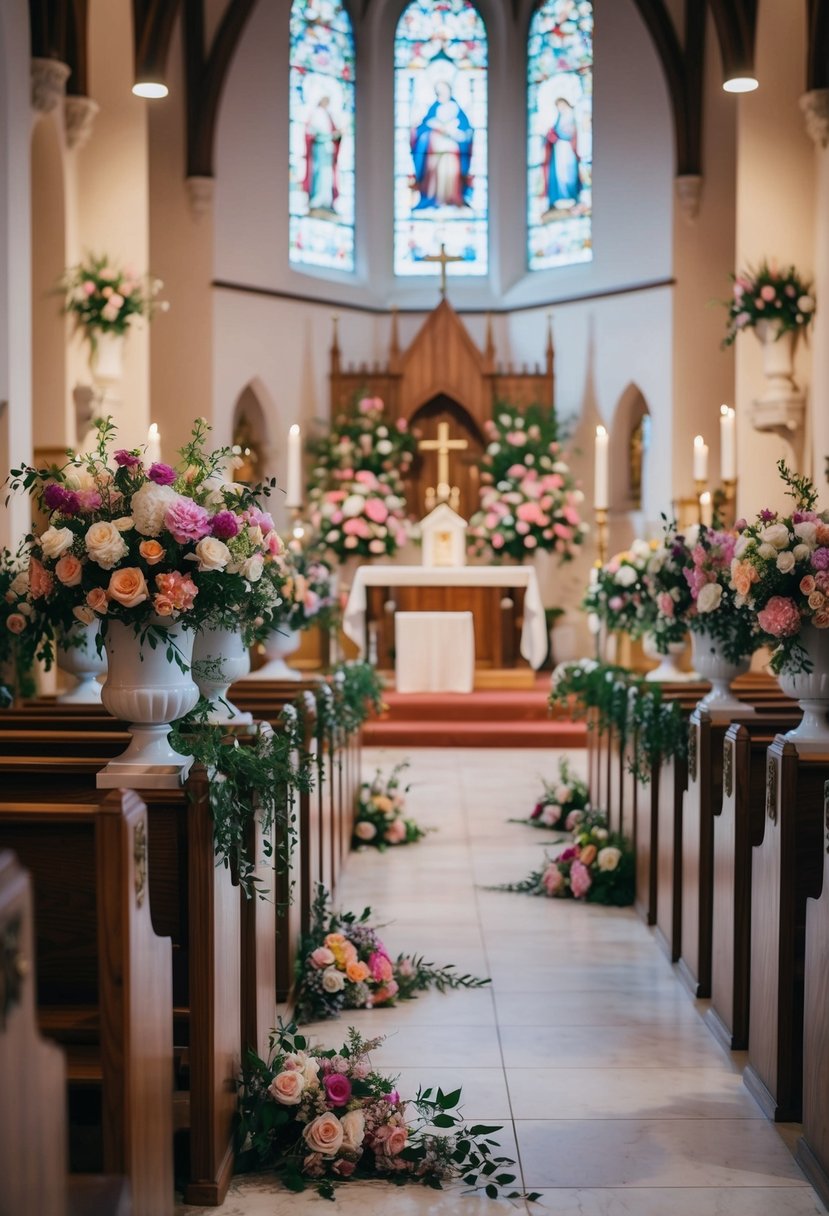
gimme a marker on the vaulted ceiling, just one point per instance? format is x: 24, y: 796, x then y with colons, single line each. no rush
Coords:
x: 59, y: 31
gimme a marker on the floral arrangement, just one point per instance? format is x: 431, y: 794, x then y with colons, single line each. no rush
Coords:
x: 380, y: 820
x: 308, y: 590
x: 780, y: 297
x: 563, y: 803
x: 597, y: 868
x: 103, y: 298
x: 690, y: 578
x: 529, y: 499
x: 323, y: 1117
x: 780, y: 573
x: 343, y: 964
x: 356, y: 495
x: 20, y: 631
x: 620, y: 595
x: 146, y: 544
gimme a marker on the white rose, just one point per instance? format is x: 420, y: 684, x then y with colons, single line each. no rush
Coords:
x: 801, y: 553
x: 150, y: 505
x: 252, y: 568
x: 601, y: 833
x: 383, y: 447
x: 324, y: 1134
x: 709, y: 597
x: 805, y: 303
x: 286, y: 1087
x: 105, y: 545
x: 786, y: 562
x: 563, y: 794
x: 354, y: 1129
x: 776, y: 535
x: 741, y: 546
x: 691, y: 535
x: 767, y: 552
x: 640, y: 548
x: 353, y: 505
x: 20, y: 584
x: 493, y: 449
x: 56, y: 541
x: 609, y: 857
x: 807, y: 533
x: 310, y: 1071
x: 125, y: 523
x: 626, y: 576
x: 212, y: 554
x: 365, y: 830
x: 333, y: 980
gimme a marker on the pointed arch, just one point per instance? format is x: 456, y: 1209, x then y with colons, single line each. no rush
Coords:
x: 629, y: 437
x: 560, y: 134
x: 321, y: 116
x: 441, y: 58
x: 253, y: 418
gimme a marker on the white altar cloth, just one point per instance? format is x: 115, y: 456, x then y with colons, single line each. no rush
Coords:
x: 533, y: 633
x: 434, y: 652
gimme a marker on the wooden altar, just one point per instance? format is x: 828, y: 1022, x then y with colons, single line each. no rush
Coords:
x: 442, y: 377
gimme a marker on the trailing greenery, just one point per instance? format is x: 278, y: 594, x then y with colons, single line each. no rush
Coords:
x: 356, y: 693
x: 258, y: 774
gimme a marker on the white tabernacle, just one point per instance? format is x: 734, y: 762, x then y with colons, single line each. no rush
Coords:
x: 534, y: 630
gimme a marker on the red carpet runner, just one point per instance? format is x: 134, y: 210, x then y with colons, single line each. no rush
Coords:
x: 477, y: 719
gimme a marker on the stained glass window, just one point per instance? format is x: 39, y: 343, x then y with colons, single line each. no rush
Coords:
x: 321, y: 204
x: 440, y: 144
x: 560, y: 125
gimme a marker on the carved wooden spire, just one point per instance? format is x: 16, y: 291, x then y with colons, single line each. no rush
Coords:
x: 551, y: 354
x: 394, y: 342
x: 335, y: 345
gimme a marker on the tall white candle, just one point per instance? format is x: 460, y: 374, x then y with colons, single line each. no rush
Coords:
x: 728, y: 443
x: 706, y: 509
x: 293, y: 495
x: 601, y: 477
x: 700, y: 459
x: 153, y: 444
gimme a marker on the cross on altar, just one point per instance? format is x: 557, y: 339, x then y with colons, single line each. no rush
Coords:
x: 443, y: 445
x: 445, y: 259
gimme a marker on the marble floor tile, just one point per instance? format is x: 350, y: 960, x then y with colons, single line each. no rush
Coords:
x: 619, y: 1047
x: 681, y: 1201
x: 661, y: 1007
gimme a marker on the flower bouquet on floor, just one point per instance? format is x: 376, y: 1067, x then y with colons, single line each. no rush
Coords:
x: 599, y: 867
x: 529, y: 498
x: 343, y: 964
x: 380, y: 819
x: 563, y: 803
x: 320, y: 1117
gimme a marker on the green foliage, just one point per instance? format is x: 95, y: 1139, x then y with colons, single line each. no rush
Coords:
x: 801, y: 488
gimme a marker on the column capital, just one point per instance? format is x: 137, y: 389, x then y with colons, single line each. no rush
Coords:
x: 199, y: 194
x: 688, y: 195
x: 49, y: 77
x: 79, y: 118
x: 815, y: 107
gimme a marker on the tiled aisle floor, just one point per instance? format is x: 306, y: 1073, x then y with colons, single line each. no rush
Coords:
x: 586, y: 1047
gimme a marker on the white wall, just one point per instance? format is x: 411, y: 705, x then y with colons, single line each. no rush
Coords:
x: 15, y: 268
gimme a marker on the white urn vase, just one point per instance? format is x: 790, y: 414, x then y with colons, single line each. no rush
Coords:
x: 278, y: 645
x: 220, y: 658
x: 668, y: 671
x: 811, y: 689
x: 107, y: 359
x: 720, y: 672
x: 77, y: 654
x: 778, y: 361
x: 149, y: 687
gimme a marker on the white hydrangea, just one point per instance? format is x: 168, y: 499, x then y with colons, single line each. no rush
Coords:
x: 149, y: 506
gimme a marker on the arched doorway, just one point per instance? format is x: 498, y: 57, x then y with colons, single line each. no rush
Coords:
x: 250, y: 436
x: 464, y: 464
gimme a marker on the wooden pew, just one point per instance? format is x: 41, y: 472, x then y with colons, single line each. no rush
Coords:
x: 787, y: 868
x: 196, y: 903
x: 813, y: 1146
x: 104, y: 977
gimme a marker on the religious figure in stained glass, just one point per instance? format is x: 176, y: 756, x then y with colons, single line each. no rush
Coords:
x: 440, y: 162
x: 321, y: 201
x: 560, y: 153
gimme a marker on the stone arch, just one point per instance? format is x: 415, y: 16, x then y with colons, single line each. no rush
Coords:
x: 628, y: 446
x: 465, y: 464
x: 253, y: 419
x: 48, y: 262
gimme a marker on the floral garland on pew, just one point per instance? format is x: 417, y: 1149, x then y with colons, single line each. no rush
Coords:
x: 597, y: 868
x: 380, y: 820
x: 323, y: 1117
x: 563, y: 803
x: 343, y: 964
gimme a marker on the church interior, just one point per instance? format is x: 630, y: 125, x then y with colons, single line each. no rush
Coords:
x: 414, y: 426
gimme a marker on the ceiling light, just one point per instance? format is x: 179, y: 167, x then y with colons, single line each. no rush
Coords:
x: 741, y: 84
x: 150, y: 88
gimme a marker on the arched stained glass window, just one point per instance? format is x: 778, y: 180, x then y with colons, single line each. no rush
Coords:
x: 560, y: 152
x: 321, y: 204
x: 440, y: 138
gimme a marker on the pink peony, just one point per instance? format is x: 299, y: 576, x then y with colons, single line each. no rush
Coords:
x: 395, y: 833
x: 380, y: 966
x: 553, y: 880
x: 780, y: 617
x: 376, y: 510
x: 187, y: 521
x: 370, y: 405
x: 580, y: 880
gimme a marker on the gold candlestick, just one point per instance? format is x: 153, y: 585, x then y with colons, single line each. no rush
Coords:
x: 601, y: 533
x: 700, y: 486
x: 729, y: 508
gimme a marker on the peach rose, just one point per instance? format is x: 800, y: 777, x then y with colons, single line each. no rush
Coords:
x: 97, y: 600
x: 357, y: 972
x: 822, y: 534
x: 286, y: 1087
x: 807, y: 584
x: 15, y: 623
x: 40, y: 580
x: 324, y: 1135
x: 163, y: 605
x: 588, y: 855
x: 816, y: 601
x: 152, y: 552
x: 68, y: 570
x: 397, y: 1140
x: 821, y: 620
x: 128, y: 586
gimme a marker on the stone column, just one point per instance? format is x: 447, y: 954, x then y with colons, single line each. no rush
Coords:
x: 815, y: 107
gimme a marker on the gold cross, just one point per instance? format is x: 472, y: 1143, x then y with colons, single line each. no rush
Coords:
x: 444, y: 258
x: 443, y: 445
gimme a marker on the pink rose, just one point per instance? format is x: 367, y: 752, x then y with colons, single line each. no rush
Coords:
x: 380, y: 967
x: 397, y: 1140
x: 580, y: 880
x: 187, y: 521
x: 768, y: 293
x: 40, y: 580
x: 343, y: 1168
x: 15, y: 622
x: 553, y: 880
x: 322, y: 957
x: 376, y: 510
x: 286, y: 1087
x: 337, y: 1089
x: 68, y: 570
x: 395, y: 833
x: 780, y: 617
